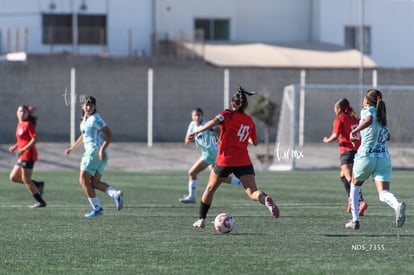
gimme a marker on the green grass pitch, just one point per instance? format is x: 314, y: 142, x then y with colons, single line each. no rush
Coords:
x: 153, y: 234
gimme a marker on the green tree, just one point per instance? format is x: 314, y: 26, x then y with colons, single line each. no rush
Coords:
x: 264, y: 110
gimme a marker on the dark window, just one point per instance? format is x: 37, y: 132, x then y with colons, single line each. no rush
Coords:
x: 57, y: 29
x: 221, y: 30
x: 214, y: 29
x: 92, y: 29
x: 353, y: 38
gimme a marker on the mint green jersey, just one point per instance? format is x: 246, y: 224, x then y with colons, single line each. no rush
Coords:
x: 206, y: 140
x: 91, y: 131
x: 374, y: 137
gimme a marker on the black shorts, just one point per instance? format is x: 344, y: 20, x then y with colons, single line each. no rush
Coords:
x: 347, y: 157
x: 26, y: 164
x: 238, y: 171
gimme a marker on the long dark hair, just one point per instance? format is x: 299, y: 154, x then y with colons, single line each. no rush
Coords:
x: 345, y: 107
x: 30, y: 110
x: 240, y: 100
x: 374, y: 98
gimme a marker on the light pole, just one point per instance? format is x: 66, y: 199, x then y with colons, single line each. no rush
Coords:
x: 361, y: 46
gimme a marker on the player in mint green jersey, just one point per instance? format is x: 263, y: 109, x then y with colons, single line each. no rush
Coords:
x: 207, y: 142
x: 96, y: 136
x: 373, y: 159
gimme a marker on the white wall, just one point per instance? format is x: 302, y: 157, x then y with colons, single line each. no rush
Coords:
x: 272, y: 20
x: 134, y: 17
x: 174, y: 16
x: 391, y: 22
x: 250, y: 20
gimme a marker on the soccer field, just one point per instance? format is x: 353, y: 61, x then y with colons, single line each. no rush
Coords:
x: 153, y: 234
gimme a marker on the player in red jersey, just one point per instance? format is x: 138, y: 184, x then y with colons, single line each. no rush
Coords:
x: 237, y: 130
x: 26, y: 151
x: 346, y: 120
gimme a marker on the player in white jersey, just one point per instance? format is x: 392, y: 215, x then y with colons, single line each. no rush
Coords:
x: 373, y: 159
x: 207, y: 141
x: 96, y: 136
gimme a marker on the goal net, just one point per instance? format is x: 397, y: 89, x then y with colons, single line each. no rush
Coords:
x: 307, y: 114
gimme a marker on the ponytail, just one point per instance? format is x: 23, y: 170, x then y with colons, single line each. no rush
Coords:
x: 345, y: 107
x: 374, y: 98
x: 240, y: 100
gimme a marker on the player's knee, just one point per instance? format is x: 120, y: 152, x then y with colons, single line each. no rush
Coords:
x: 13, y: 178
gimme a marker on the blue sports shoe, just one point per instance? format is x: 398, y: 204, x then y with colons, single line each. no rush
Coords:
x: 119, y: 200
x: 94, y: 213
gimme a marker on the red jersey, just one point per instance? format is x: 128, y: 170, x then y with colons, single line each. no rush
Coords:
x: 342, y: 127
x: 235, y: 130
x: 24, y: 133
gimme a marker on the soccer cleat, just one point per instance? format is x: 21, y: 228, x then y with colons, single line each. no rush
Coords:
x: 187, y: 200
x: 352, y: 225
x: 200, y: 223
x: 272, y: 207
x: 119, y: 200
x: 400, y: 215
x: 362, y: 207
x: 37, y: 205
x: 94, y: 213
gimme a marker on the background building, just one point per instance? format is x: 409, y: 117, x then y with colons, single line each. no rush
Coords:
x: 152, y: 27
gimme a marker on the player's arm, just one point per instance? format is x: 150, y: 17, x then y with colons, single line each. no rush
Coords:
x: 333, y: 137
x: 364, y: 124
x: 75, y: 145
x: 253, y: 141
x: 108, y: 138
x: 13, y: 148
x: 29, y: 145
x: 210, y: 124
x: 187, y: 139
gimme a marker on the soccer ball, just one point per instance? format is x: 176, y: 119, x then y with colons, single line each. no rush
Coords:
x: 224, y: 223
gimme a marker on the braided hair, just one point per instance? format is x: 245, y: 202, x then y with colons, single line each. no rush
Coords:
x: 240, y: 100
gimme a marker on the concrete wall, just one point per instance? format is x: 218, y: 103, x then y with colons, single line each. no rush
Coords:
x: 120, y: 87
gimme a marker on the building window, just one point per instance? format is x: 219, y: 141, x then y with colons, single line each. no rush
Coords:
x: 57, y: 29
x: 352, y: 38
x: 92, y: 29
x: 214, y: 29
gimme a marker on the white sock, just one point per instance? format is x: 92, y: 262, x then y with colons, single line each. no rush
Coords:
x: 389, y: 198
x: 94, y: 202
x: 192, y: 187
x: 110, y: 191
x: 354, y: 197
x: 235, y: 181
